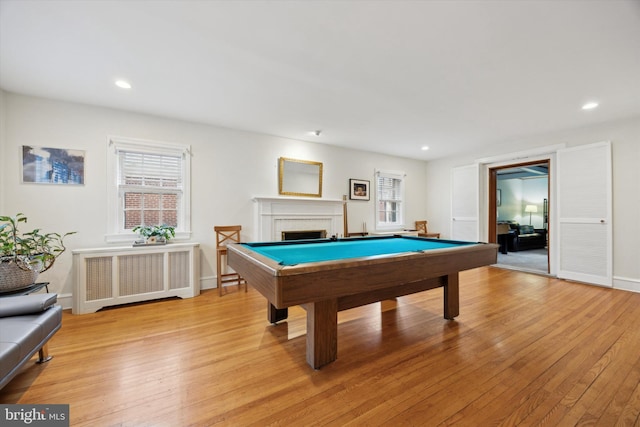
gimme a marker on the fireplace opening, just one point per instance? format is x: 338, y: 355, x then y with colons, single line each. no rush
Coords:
x: 304, y: 234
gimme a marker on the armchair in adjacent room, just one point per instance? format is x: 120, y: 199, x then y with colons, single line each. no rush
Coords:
x: 528, y: 237
x: 524, y: 237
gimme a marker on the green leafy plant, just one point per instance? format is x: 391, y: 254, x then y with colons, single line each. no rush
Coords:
x: 164, y: 231
x: 33, y: 250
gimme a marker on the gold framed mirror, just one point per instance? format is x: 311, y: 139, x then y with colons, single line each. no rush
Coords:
x: 301, y: 178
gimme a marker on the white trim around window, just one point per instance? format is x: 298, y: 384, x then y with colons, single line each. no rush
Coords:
x: 390, y: 191
x: 115, y: 213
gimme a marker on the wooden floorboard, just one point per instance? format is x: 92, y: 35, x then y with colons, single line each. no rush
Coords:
x: 526, y: 350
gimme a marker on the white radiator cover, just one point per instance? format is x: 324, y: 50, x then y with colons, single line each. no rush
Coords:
x: 111, y: 276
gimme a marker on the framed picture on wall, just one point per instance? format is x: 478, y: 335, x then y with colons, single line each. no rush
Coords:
x: 43, y: 165
x: 358, y: 189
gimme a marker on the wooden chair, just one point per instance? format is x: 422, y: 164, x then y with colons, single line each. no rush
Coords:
x: 421, y: 226
x: 227, y: 234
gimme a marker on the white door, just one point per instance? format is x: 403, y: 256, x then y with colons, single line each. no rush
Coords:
x: 465, y: 203
x: 585, y: 213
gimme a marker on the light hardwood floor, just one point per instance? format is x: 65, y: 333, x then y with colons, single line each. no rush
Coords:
x: 525, y: 350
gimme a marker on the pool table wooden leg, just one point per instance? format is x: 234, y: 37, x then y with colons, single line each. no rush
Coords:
x: 322, y: 332
x: 276, y: 314
x: 451, y: 297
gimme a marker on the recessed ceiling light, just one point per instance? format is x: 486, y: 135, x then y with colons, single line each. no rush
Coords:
x: 123, y: 84
x: 589, y: 105
x: 424, y: 148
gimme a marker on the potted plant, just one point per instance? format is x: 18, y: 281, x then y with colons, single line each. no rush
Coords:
x: 25, y: 255
x: 155, y: 234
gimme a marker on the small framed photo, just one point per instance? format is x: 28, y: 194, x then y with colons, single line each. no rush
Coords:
x: 358, y: 189
x: 45, y: 165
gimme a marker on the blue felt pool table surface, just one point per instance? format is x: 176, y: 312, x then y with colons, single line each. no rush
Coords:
x: 299, y: 252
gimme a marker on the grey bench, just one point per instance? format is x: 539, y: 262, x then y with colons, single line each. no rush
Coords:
x: 27, y: 322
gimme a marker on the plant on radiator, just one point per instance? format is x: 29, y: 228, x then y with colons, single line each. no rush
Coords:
x: 24, y: 255
x: 155, y: 233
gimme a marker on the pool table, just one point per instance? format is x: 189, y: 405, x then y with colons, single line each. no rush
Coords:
x: 325, y: 276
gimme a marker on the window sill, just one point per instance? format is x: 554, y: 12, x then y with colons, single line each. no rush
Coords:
x: 131, y: 237
x: 395, y: 227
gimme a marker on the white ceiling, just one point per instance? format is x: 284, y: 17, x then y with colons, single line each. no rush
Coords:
x: 385, y: 76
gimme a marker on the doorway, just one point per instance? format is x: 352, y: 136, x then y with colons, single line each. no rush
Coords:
x: 519, y: 215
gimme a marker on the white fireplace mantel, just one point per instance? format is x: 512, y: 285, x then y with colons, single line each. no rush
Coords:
x: 273, y: 215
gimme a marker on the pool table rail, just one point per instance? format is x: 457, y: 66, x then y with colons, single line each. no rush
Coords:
x: 286, y: 286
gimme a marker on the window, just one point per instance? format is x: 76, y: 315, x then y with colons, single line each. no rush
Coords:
x: 149, y: 185
x: 389, y: 200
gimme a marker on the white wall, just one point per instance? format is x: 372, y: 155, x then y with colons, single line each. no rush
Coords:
x: 2, y: 145
x: 625, y: 139
x: 510, y: 208
x: 229, y: 168
x: 534, y: 191
x: 517, y: 194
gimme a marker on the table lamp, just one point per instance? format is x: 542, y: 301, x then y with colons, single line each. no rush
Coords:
x: 530, y: 209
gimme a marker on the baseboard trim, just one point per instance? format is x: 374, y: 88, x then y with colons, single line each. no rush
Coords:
x: 208, y: 282
x: 626, y: 284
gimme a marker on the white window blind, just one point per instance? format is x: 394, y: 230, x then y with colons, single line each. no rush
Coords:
x: 389, y: 199
x: 149, y: 170
x: 150, y: 187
